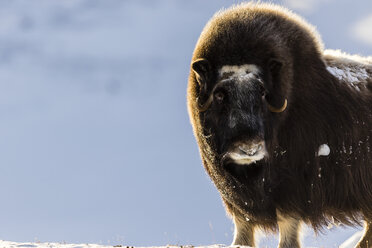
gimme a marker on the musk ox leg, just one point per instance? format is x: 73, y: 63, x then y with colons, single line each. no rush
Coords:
x: 289, y: 231
x: 366, y: 241
x: 244, y: 232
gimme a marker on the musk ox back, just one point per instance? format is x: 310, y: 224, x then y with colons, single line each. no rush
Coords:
x: 284, y: 128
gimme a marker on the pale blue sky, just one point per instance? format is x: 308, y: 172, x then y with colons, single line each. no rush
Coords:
x: 95, y: 141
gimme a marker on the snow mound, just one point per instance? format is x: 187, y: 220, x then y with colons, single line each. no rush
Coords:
x: 352, y: 241
x: 349, y: 243
x: 9, y: 244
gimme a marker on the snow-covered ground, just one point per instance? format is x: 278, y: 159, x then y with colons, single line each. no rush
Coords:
x: 352, y: 241
x: 349, y: 243
x: 9, y: 244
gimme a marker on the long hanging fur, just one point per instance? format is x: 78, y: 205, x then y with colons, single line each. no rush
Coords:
x: 329, y: 97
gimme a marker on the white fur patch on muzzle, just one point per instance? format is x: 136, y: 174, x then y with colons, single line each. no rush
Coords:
x: 245, y: 153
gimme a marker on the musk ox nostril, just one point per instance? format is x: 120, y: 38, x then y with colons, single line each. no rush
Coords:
x: 246, y: 152
x: 250, y: 150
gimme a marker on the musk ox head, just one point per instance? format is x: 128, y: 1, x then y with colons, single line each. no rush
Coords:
x: 239, y: 96
x: 235, y: 111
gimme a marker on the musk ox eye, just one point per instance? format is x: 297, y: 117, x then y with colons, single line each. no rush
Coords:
x: 219, y: 96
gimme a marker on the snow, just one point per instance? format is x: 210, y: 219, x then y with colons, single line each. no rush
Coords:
x: 354, y: 76
x: 9, y: 244
x: 352, y: 241
x: 349, y: 243
x: 324, y: 150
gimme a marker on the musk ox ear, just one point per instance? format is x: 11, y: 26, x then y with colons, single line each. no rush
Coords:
x: 276, y: 101
x: 202, y: 70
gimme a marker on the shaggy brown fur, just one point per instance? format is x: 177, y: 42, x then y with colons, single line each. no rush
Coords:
x: 329, y: 102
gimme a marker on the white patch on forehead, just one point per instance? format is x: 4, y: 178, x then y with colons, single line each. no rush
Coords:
x: 239, y: 70
x: 356, y: 77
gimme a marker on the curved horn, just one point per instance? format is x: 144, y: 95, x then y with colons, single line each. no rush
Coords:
x: 278, y: 110
x: 206, y: 105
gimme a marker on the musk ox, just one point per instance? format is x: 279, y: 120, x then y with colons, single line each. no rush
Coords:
x: 284, y: 128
